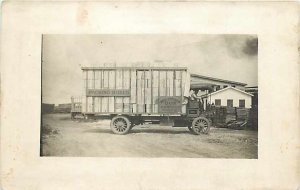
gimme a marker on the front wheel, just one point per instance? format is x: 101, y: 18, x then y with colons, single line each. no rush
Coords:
x: 120, y: 125
x: 200, y: 125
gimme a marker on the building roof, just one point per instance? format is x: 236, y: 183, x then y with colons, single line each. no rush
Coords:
x: 252, y: 89
x: 230, y: 87
x: 219, y: 80
x: 201, y: 85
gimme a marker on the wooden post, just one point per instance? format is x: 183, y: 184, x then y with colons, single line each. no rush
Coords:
x: 86, y: 89
x: 115, y: 99
x: 93, y: 103
x: 101, y: 86
x: 174, y: 86
x: 136, y: 90
x: 166, y: 83
x: 122, y: 88
x: 151, y: 78
x: 181, y: 86
x: 145, y: 106
x: 129, y: 104
x: 107, y: 110
x: 158, y: 84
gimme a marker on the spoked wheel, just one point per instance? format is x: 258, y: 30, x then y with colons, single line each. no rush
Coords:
x: 120, y: 125
x: 200, y: 125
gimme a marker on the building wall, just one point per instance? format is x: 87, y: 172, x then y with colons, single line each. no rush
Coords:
x: 47, y: 108
x: 230, y: 94
x: 195, y: 80
x: 254, y: 92
x: 63, y: 108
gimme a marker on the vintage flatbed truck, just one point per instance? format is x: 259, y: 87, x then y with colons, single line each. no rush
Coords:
x: 131, y: 96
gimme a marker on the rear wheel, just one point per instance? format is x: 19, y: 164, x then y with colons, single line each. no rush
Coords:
x: 200, y: 125
x: 120, y: 125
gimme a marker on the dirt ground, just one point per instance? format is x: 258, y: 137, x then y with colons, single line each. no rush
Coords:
x: 66, y: 137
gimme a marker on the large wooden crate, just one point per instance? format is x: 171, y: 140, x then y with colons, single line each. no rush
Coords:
x: 131, y: 90
x: 224, y: 115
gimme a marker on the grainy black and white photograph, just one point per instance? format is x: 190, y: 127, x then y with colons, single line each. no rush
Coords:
x: 149, y: 95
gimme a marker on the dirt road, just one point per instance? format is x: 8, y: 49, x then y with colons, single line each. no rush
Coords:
x: 94, y: 138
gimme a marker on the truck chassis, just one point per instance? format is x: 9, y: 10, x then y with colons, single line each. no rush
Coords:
x: 196, y: 120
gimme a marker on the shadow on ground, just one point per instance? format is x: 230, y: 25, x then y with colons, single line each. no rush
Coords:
x: 139, y: 131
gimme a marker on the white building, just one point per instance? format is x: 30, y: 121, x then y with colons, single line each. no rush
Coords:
x: 213, y: 84
x: 229, y: 96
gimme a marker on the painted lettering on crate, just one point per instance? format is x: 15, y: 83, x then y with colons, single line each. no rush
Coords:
x: 108, y: 92
x: 169, y: 104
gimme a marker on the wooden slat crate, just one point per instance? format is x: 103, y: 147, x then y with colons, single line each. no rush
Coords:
x: 142, y: 88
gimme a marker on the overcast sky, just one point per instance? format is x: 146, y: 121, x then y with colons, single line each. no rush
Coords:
x: 231, y: 57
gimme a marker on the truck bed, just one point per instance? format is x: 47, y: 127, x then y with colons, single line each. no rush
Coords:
x: 127, y: 90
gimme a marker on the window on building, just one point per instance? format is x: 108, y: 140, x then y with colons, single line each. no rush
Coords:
x: 225, y: 86
x: 229, y: 103
x: 233, y: 86
x: 217, y: 102
x: 241, y: 103
x: 218, y: 87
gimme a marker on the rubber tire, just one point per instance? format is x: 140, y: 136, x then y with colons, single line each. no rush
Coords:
x: 128, y: 124
x: 194, y: 127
